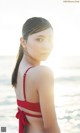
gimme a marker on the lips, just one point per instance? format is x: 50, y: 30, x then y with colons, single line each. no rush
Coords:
x: 45, y: 53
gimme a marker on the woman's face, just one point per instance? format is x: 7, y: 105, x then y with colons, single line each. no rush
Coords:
x: 39, y: 45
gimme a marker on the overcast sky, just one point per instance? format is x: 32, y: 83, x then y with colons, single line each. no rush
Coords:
x: 64, y: 16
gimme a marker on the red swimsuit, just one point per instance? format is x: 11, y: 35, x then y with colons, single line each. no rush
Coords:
x: 28, y: 105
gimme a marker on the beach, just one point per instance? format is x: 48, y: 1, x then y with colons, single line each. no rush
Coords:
x: 66, y: 94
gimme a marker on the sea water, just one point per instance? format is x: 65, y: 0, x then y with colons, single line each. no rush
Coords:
x: 66, y: 94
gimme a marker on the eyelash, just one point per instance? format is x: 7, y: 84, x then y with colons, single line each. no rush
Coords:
x: 42, y: 39
x: 39, y: 39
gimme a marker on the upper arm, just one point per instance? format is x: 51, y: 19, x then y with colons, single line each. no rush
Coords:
x: 46, y: 97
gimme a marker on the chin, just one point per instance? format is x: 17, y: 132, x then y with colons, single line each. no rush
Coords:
x: 44, y: 59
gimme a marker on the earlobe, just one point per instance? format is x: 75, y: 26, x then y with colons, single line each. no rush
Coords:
x: 22, y: 42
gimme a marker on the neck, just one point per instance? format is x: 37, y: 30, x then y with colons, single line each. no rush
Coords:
x: 30, y: 60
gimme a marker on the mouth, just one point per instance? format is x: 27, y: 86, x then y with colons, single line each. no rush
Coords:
x: 45, y: 53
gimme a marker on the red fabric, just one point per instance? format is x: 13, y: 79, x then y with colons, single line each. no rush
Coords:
x: 25, y: 103
x: 24, y: 82
x: 23, y: 120
x: 28, y: 105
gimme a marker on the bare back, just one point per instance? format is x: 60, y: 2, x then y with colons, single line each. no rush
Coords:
x: 36, y: 124
x: 38, y: 89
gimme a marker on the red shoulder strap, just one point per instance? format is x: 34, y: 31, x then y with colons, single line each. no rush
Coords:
x: 24, y: 82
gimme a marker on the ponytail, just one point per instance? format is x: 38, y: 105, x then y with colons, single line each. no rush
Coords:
x: 31, y: 26
x: 15, y: 72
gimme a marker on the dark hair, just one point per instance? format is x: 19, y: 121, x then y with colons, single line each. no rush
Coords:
x: 31, y: 26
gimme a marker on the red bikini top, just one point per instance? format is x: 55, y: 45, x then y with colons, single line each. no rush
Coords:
x: 27, y: 105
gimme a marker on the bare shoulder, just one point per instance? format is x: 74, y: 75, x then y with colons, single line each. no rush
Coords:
x: 46, y: 99
x: 45, y: 70
x: 43, y: 75
x: 42, y: 72
x: 44, y: 81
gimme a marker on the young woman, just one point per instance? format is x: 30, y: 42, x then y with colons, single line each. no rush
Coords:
x: 34, y: 82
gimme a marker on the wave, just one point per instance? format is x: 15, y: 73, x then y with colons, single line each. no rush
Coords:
x: 5, y: 80
x: 70, y: 78
x: 72, y: 67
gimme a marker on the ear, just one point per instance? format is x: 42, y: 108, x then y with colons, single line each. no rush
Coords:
x: 22, y: 42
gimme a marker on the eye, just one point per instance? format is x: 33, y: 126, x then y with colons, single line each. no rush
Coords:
x: 39, y: 39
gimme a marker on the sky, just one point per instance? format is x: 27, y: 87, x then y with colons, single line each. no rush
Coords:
x: 64, y: 17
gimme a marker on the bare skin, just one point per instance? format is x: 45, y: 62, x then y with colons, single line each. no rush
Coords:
x: 39, y: 83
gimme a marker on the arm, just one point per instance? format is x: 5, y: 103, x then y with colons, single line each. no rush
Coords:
x: 46, y: 97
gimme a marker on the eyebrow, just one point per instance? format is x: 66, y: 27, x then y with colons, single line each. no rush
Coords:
x: 44, y: 36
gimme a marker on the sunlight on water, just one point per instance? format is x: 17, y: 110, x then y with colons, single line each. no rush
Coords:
x: 66, y: 93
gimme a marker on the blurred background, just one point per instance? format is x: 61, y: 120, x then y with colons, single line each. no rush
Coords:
x: 64, y: 59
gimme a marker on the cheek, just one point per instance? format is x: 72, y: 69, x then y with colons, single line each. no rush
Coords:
x: 33, y: 48
x: 35, y: 45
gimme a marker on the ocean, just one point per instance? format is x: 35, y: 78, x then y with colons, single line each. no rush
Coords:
x: 66, y: 94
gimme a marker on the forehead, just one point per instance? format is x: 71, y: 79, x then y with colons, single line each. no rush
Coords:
x: 47, y: 32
